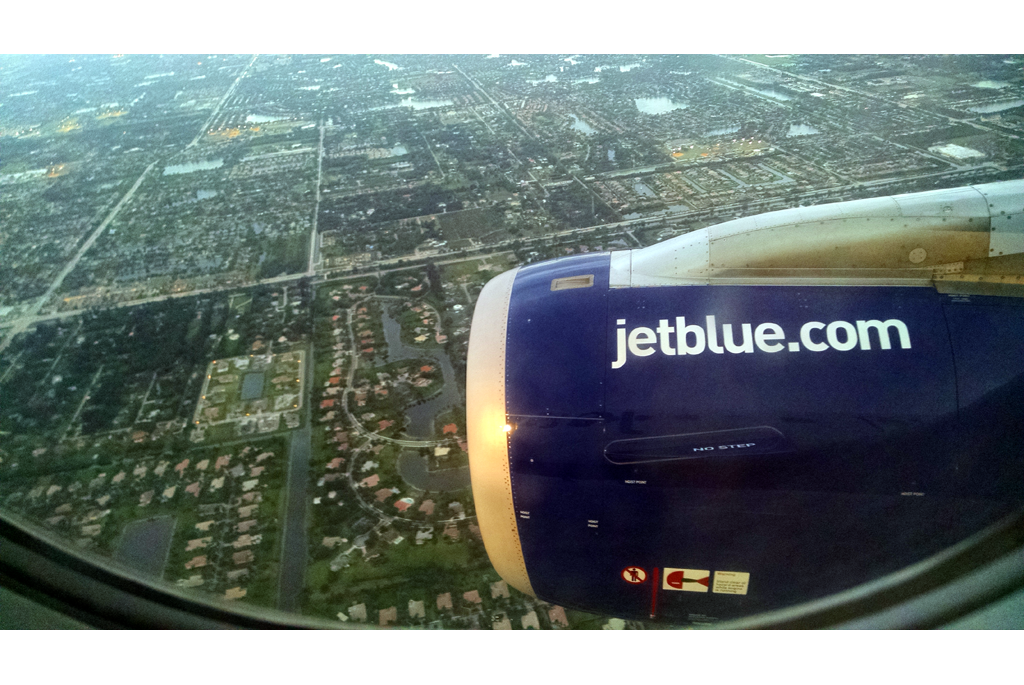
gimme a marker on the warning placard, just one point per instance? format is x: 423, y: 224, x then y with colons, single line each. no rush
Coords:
x: 634, y: 575
x: 731, y: 583
x: 686, y: 579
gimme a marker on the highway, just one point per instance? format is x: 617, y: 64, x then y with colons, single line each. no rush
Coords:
x: 24, y: 322
x: 220, y: 105
x: 746, y: 207
x: 314, y: 242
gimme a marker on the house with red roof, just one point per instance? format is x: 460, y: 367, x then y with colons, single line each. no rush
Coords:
x: 557, y: 616
x: 449, y: 428
x: 196, y: 562
x: 243, y: 557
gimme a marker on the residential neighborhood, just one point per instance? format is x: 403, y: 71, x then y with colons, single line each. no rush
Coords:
x: 237, y: 290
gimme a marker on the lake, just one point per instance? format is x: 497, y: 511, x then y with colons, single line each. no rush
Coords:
x: 725, y: 130
x: 421, y: 416
x: 424, y: 104
x: 582, y: 126
x: 262, y: 119
x: 174, y: 169
x: 995, y: 85
x: 770, y: 93
x: 996, y: 107
x: 658, y: 105
x: 801, y: 130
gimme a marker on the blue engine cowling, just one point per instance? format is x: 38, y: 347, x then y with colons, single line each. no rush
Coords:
x: 695, y: 453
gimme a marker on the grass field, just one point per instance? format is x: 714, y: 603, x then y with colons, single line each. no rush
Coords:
x: 709, y: 151
x: 239, y: 303
x: 470, y: 223
x: 460, y: 269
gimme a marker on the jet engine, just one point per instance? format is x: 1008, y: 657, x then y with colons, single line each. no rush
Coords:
x: 754, y: 415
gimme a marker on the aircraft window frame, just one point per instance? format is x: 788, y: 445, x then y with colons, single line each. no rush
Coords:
x: 951, y: 585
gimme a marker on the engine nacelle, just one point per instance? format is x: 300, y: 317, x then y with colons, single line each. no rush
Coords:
x: 756, y: 414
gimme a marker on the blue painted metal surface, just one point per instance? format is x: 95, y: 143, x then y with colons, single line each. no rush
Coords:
x: 811, y: 471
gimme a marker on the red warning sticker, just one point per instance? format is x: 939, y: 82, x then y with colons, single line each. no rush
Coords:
x: 686, y: 579
x: 634, y: 575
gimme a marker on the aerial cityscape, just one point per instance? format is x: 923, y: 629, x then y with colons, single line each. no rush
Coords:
x: 236, y: 291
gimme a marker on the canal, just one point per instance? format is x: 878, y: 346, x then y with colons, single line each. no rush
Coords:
x: 293, y: 542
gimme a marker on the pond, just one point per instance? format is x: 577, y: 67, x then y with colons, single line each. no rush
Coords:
x: 413, y: 469
x: 252, y: 386
x: 641, y: 188
x: 144, y: 545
